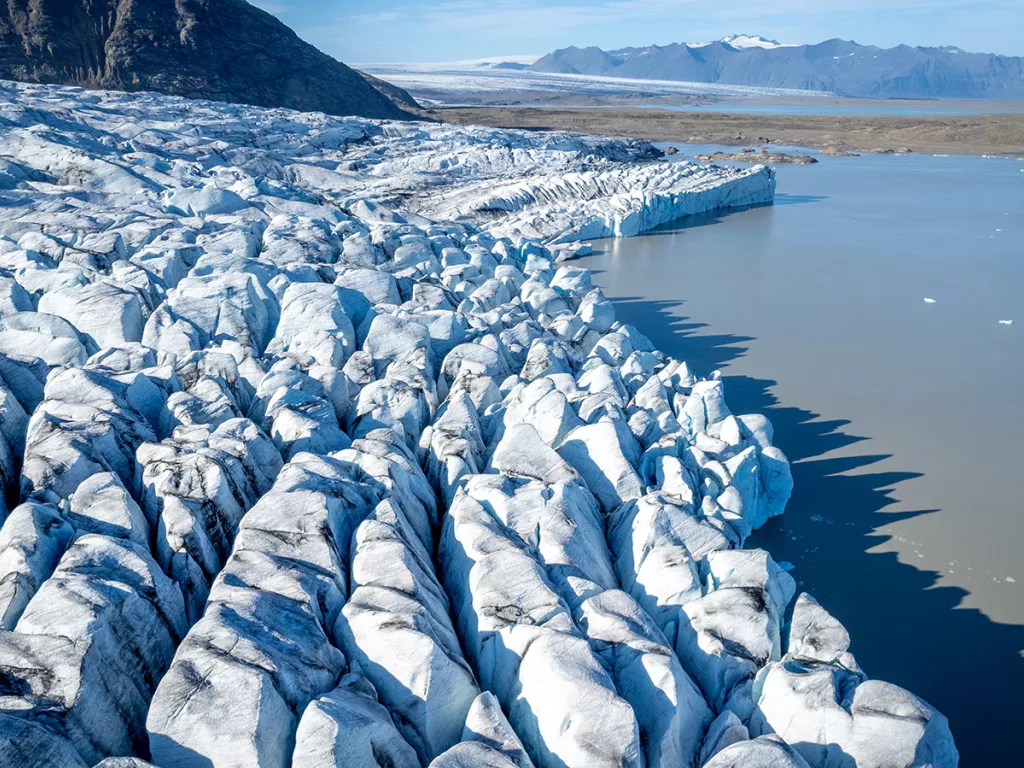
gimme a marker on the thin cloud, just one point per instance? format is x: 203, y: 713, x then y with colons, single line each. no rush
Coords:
x: 533, y: 14
x: 378, y: 18
x: 271, y: 6
x: 462, y: 29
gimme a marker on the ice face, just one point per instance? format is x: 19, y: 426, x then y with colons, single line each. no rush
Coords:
x: 313, y: 453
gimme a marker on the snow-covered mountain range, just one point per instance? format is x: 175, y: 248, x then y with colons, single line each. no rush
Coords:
x: 840, y: 67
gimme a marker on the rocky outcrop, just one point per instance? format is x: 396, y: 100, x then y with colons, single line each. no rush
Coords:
x: 398, y: 96
x: 753, y: 156
x: 223, y: 50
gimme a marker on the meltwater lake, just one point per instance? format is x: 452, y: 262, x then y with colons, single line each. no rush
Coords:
x: 904, y: 419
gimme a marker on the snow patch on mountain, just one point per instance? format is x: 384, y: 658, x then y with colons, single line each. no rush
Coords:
x: 753, y: 41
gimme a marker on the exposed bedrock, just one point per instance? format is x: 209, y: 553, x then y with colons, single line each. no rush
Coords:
x: 314, y: 453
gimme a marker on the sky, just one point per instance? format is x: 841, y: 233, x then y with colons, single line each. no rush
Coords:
x: 452, y: 30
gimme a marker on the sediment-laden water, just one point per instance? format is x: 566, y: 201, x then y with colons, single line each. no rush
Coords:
x: 903, y: 417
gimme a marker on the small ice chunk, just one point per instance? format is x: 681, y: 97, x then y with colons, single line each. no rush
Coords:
x: 929, y: 301
x: 1006, y: 322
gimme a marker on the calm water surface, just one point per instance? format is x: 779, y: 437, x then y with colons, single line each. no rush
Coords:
x: 810, y: 107
x: 904, y: 419
x: 828, y: 108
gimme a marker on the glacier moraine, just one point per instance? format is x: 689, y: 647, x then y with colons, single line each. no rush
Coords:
x: 316, y: 454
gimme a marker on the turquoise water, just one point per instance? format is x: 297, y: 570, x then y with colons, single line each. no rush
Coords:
x: 903, y: 418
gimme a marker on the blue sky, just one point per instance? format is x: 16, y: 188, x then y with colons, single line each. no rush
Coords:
x: 450, y: 30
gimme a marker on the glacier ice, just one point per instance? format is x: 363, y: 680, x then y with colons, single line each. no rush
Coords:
x: 348, y: 727
x: 313, y: 452
x: 866, y: 722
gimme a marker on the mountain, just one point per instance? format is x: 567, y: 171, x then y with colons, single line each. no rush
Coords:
x: 223, y: 50
x: 579, y: 61
x: 752, y: 41
x: 841, y: 67
x: 400, y: 97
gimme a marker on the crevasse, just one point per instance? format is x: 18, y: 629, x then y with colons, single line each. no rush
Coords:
x: 314, y: 455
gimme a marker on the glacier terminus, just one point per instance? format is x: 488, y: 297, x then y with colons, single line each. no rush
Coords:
x: 318, y: 451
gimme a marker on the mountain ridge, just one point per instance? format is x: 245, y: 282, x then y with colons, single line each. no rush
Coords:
x: 220, y: 50
x: 841, y: 67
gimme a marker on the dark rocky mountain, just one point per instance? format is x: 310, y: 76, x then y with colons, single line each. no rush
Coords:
x: 223, y: 50
x: 400, y: 97
x: 838, y: 66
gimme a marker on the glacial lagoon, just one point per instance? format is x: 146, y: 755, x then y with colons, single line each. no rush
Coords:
x: 854, y: 108
x: 902, y: 417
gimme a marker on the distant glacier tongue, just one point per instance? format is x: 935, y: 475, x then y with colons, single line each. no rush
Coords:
x: 314, y: 455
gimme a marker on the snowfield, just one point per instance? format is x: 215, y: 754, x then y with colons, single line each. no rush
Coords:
x: 315, y: 454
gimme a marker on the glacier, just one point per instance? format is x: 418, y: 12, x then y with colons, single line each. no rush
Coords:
x: 455, y: 83
x: 314, y: 452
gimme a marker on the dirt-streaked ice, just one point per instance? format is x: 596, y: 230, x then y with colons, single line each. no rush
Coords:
x: 315, y: 455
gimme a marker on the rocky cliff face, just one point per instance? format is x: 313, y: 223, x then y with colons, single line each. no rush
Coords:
x: 224, y: 50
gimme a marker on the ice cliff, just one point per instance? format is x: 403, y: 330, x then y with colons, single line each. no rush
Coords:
x: 313, y: 454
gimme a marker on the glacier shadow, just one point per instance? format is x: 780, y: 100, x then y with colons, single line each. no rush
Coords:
x: 164, y: 743
x: 906, y: 629
x: 782, y: 198
x: 717, y: 215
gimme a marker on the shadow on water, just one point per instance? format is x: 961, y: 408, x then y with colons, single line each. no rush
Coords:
x: 905, y: 629
x: 719, y: 215
x: 705, y: 219
x: 784, y: 199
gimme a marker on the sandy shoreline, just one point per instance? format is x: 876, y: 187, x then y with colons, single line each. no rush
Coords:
x: 986, y: 134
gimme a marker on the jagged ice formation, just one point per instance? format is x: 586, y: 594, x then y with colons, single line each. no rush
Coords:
x: 314, y: 454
